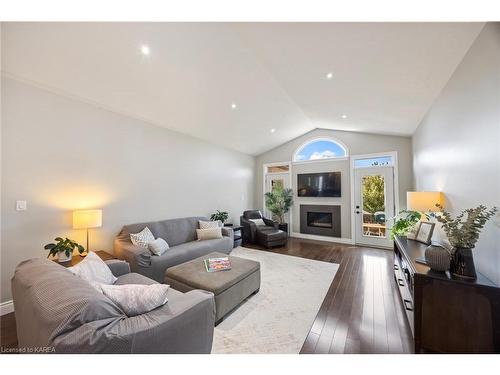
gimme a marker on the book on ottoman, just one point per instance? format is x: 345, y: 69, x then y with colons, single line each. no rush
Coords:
x: 217, y: 264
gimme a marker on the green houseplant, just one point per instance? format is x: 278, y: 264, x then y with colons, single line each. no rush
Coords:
x: 463, y: 233
x: 405, y: 221
x: 63, y: 249
x: 219, y: 215
x: 278, y: 201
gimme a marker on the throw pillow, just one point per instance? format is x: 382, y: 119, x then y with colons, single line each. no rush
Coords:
x: 258, y: 222
x: 209, y: 234
x: 142, y: 238
x: 136, y: 299
x: 209, y: 224
x: 93, y: 269
x: 158, y: 246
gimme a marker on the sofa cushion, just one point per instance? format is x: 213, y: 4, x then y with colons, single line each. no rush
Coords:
x: 136, y: 299
x: 143, y: 238
x: 209, y: 234
x: 93, y: 269
x: 158, y: 246
x: 134, y: 278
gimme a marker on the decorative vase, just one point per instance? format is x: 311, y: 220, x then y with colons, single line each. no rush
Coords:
x: 437, y: 258
x: 62, y: 258
x: 462, y: 264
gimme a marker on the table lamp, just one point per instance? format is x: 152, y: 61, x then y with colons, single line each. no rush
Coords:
x: 424, y: 201
x: 85, y: 219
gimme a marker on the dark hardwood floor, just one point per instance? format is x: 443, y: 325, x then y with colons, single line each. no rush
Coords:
x: 361, y: 312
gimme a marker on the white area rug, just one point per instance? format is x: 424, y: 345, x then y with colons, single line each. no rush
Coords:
x: 278, y: 318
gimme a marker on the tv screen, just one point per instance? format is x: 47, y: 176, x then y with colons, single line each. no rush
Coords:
x: 319, y: 184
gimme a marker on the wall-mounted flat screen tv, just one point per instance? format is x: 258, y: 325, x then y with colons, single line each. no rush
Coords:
x: 319, y: 184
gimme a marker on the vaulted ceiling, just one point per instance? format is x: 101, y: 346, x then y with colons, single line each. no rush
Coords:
x: 246, y: 86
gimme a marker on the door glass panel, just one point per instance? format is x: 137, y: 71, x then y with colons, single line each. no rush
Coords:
x: 373, y: 196
x: 379, y: 161
x: 278, y: 183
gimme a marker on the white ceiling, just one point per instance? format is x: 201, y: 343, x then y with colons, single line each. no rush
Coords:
x: 385, y: 75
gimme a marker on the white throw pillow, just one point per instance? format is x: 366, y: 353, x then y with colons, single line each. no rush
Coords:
x: 93, y: 269
x: 158, y: 246
x: 142, y: 238
x: 209, y: 234
x: 258, y: 222
x: 209, y: 224
x: 136, y: 299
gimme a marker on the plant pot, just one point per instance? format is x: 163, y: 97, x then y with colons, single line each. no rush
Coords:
x: 283, y: 227
x: 462, y: 264
x: 62, y: 258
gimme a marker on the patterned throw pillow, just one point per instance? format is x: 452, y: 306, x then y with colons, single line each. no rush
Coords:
x: 136, y: 299
x: 209, y: 224
x: 143, y: 238
x: 158, y: 246
x: 93, y: 269
x: 209, y: 234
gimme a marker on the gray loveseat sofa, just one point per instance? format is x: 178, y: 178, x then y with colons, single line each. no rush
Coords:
x: 180, y: 234
x: 59, y: 311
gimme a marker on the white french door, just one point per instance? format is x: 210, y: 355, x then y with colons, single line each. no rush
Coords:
x: 374, y: 205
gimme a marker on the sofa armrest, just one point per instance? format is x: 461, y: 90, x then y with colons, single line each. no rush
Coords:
x: 135, y: 256
x: 270, y: 223
x: 249, y: 229
x: 118, y: 267
x: 228, y: 232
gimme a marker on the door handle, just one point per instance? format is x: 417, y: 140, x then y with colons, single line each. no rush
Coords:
x: 408, y: 305
x: 357, y: 212
x: 401, y: 282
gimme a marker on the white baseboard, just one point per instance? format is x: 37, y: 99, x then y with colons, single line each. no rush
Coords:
x: 348, y: 241
x: 6, y: 307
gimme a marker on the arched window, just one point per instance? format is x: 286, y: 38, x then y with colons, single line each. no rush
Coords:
x: 320, y: 149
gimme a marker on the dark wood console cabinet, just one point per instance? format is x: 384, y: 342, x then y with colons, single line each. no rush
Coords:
x: 446, y: 315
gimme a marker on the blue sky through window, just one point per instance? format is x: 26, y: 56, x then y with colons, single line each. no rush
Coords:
x: 320, y: 149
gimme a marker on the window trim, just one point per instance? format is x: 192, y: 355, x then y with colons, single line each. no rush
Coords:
x: 328, y: 139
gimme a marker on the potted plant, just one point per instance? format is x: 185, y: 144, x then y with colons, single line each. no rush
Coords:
x: 63, y: 249
x: 278, y: 201
x: 222, y: 216
x: 405, y: 221
x: 463, y: 233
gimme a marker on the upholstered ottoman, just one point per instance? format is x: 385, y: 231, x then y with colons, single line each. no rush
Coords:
x: 229, y: 287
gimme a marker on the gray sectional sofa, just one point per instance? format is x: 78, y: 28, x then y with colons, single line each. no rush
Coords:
x: 58, y: 312
x: 180, y: 234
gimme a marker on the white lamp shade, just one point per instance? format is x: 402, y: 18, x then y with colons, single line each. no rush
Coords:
x: 83, y: 219
x: 424, y: 201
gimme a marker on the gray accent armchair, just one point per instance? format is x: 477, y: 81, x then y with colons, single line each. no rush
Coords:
x: 267, y: 235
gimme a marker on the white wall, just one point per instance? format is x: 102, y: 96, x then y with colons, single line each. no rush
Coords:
x: 457, y: 145
x: 358, y: 143
x: 60, y: 154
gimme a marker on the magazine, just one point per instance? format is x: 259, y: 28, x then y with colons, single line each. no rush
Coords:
x: 217, y: 264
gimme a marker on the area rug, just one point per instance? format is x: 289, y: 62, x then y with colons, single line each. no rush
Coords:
x: 278, y: 318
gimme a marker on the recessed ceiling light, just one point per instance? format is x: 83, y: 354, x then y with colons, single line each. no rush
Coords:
x: 344, y: 116
x: 329, y: 75
x: 273, y: 130
x: 145, y: 50
x: 233, y: 105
